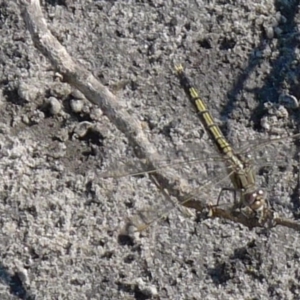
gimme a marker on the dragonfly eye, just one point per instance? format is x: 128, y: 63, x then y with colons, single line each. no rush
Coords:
x: 260, y: 192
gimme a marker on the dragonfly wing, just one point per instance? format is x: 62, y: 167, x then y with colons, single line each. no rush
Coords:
x: 267, y: 146
x: 274, y: 156
x: 270, y: 152
x: 207, y: 194
x: 134, y: 167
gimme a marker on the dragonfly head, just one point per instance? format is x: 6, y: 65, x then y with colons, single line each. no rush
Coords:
x: 257, y: 205
x: 255, y: 200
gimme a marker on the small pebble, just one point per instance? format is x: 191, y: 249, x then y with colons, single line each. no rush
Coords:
x: 54, y: 106
x: 269, y: 32
x: 28, y: 92
x: 82, y: 128
x: 58, y: 76
x: 62, y: 135
x: 96, y: 113
x: 147, y: 290
x: 76, y: 105
x: 60, y: 90
x: 25, y: 119
x: 282, y: 112
x: 36, y: 117
x: 289, y: 101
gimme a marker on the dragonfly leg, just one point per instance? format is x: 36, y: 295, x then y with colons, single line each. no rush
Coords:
x: 233, y: 190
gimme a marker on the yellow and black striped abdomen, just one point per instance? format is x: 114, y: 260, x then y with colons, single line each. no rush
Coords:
x: 206, y: 118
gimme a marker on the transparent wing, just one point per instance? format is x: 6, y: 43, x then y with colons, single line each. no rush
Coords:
x: 124, y: 167
x: 205, y: 194
x: 261, y: 152
x: 267, y: 145
x: 273, y: 152
x: 208, y: 181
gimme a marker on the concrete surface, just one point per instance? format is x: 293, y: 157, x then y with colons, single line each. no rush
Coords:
x: 61, y: 223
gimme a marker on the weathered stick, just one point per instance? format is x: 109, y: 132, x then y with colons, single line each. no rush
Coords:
x: 81, y: 79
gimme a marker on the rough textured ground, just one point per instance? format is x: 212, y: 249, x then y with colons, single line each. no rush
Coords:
x: 61, y: 223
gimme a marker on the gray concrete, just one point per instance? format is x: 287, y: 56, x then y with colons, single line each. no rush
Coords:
x: 61, y: 223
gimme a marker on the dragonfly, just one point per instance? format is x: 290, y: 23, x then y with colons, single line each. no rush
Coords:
x: 249, y: 197
x: 239, y: 168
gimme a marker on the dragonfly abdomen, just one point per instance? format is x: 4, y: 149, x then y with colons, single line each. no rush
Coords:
x: 207, y: 119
